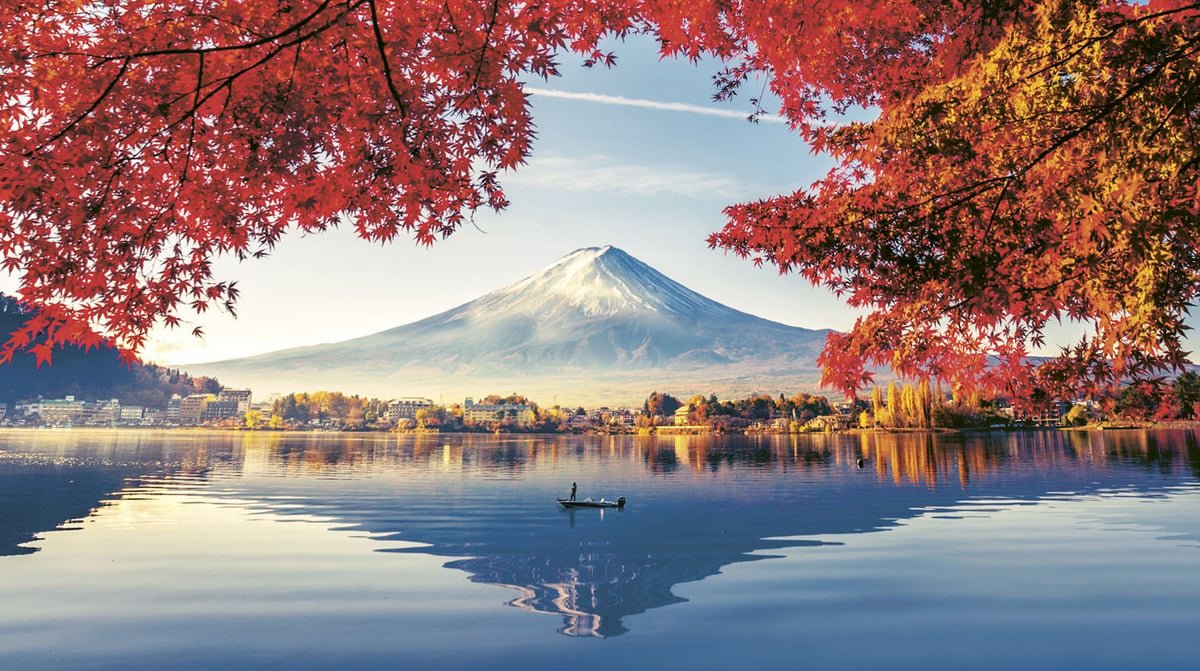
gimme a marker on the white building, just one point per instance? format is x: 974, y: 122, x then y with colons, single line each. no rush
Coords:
x: 406, y: 408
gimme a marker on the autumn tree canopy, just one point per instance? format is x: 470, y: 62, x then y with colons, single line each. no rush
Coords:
x: 1024, y: 162
x: 1031, y: 162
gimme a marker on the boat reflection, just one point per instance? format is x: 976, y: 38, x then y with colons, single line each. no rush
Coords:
x: 696, y: 504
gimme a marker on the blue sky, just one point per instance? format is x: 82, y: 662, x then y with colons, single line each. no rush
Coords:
x: 637, y: 156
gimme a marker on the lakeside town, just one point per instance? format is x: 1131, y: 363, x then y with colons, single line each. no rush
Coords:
x: 898, y: 406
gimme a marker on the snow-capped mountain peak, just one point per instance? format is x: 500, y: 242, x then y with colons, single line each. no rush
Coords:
x: 596, y: 324
x: 598, y: 281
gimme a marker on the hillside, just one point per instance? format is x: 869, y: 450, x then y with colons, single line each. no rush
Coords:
x: 95, y: 374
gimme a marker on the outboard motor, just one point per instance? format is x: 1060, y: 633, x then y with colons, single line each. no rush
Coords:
x: 620, y: 501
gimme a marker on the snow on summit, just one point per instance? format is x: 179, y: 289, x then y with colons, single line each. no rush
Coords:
x: 598, y: 281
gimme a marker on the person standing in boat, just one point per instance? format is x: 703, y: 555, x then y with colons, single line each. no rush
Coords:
x: 572, y: 492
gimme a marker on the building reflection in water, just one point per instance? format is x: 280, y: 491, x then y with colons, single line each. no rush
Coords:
x: 485, y: 503
x: 590, y: 596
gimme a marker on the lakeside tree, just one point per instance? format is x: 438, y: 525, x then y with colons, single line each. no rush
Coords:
x: 1187, y: 393
x: 1077, y: 416
x: 917, y: 406
x: 803, y: 407
x: 877, y: 408
x: 895, y: 412
x: 997, y: 165
x: 660, y: 405
x: 348, y: 411
x: 432, y: 417
x: 1144, y: 401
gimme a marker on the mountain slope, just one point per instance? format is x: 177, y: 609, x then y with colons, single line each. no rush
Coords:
x: 597, y: 325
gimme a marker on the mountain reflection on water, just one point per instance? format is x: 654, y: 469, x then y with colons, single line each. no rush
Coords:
x: 486, y: 503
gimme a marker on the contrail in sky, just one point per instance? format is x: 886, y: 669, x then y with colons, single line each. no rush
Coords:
x: 648, y: 104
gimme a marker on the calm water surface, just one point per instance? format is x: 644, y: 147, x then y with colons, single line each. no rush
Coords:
x: 131, y: 550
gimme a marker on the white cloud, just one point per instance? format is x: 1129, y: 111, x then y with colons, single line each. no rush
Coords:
x: 603, y: 174
x: 647, y: 104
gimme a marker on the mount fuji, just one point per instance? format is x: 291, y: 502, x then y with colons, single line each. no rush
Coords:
x: 596, y: 327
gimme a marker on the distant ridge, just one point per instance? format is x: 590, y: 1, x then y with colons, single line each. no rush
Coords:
x: 596, y: 326
x: 95, y: 373
x: 91, y: 374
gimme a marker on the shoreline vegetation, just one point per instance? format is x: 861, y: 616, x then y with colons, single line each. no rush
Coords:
x: 896, y: 407
x: 901, y: 408
x: 665, y: 430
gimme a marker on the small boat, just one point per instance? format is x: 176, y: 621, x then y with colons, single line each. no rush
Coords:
x: 589, y: 503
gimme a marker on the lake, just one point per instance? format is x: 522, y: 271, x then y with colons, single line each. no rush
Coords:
x: 182, y: 550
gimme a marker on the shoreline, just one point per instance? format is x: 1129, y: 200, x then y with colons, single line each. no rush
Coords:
x: 1191, y: 424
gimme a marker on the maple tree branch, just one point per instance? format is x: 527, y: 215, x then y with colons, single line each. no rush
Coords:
x: 87, y: 112
x: 187, y: 155
x: 976, y: 189
x: 449, y: 12
x: 108, y: 185
x: 1104, y: 110
x: 1158, y: 15
x: 216, y: 18
x: 262, y: 41
x: 1107, y: 36
x: 1107, y: 108
x: 487, y: 41
x: 127, y: 59
x: 387, y: 68
x: 227, y: 81
x: 1185, y: 96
